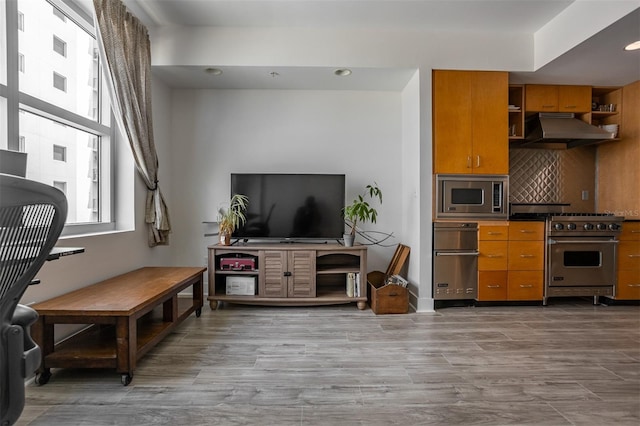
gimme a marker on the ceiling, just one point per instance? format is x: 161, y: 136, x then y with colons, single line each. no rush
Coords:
x: 599, y: 60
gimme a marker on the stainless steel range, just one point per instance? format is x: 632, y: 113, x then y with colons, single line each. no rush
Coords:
x: 581, y: 254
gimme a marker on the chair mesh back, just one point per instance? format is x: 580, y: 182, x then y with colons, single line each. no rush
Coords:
x: 22, y: 239
x: 32, y: 216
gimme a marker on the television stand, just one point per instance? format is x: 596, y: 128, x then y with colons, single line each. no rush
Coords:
x: 292, y: 274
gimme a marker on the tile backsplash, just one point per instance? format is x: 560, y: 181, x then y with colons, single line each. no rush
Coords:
x: 542, y: 176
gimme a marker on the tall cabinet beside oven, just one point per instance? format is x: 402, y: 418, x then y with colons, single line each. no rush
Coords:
x: 628, y: 287
x: 470, y: 122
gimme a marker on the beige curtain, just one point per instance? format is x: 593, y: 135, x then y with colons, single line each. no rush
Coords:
x: 126, y: 57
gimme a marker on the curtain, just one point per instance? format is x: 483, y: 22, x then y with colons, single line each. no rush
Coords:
x: 124, y: 49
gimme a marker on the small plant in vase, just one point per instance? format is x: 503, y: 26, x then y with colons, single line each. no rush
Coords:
x: 361, y: 211
x: 231, y: 218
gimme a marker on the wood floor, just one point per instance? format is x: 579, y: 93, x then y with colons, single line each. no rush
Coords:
x: 569, y: 363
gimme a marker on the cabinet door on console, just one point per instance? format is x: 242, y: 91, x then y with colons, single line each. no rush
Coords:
x: 301, y: 281
x: 288, y: 273
x: 273, y: 283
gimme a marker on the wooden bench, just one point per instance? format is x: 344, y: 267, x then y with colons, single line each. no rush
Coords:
x: 129, y: 314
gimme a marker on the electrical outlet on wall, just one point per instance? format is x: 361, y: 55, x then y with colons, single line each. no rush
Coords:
x: 585, y: 195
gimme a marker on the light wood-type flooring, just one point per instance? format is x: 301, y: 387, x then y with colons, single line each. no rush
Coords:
x: 569, y: 363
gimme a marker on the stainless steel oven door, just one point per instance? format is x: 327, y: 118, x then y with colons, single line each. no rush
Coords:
x: 581, y: 261
x: 455, y: 275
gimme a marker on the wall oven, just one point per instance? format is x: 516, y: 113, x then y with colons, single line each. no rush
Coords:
x: 472, y: 196
x: 455, y: 260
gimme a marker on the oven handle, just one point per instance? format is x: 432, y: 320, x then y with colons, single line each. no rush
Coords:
x: 552, y: 241
x: 473, y: 253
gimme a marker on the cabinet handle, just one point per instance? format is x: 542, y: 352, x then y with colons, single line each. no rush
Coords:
x: 468, y: 161
x: 287, y: 274
x: 494, y: 286
x: 493, y: 256
x: 526, y: 231
x: 635, y: 231
x: 571, y: 106
x: 477, y: 161
x: 633, y: 285
x: 526, y: 255
x: 494, y: 233
x: 634, y: 255
x: 526, y: 285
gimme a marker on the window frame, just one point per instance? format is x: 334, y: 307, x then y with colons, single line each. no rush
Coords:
x: 57, y: 41
x: 60, y: 78
x: 59, y: 151
x: 17, y: 101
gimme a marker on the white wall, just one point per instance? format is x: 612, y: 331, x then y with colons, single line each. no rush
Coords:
x: 382, y: 136
x: 217, y: 132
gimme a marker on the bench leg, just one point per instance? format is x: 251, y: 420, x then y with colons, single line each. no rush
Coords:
x: 126, y: 347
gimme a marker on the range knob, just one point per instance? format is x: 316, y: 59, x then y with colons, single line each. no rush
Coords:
x: 571, y: 226
x: 614, y: 226
x: 558, y: 226
x: 588, y: 226
x: 602, y: 227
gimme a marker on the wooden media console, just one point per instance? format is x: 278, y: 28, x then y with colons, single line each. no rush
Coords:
x: 287, y: 274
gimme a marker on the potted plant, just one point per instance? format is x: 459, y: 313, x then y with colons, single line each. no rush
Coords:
x: 361, y: 211
x: 231, y: 218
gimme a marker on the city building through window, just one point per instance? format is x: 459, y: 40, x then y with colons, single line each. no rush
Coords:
x: 60, y: 106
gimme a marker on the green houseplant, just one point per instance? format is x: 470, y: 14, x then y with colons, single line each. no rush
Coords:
x: 232, y: 217
x: 361, y: 211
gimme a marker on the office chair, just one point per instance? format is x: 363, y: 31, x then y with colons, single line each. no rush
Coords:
x: 32, y: 216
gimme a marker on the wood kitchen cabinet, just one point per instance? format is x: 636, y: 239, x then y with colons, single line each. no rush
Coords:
x: 526, y: 261
x: 511, y: 261
x: 555, y: 98
x: 470, y: 122
x: 628, y: 286
x: 493, y: 249
x: 516, y: 111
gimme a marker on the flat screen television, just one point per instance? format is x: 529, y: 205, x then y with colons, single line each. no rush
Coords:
x: 291, y: 206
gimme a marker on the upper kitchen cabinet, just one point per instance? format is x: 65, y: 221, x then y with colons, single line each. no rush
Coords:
x: 516, y: 111
x: 606, y: 105
x: 470, y: 122
x: 552, y: 98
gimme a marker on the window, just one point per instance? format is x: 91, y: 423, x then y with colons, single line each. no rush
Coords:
x: 59, y: 153
x: 59, y: 46
x: 59, y: 82
x: 58, y: 14
x: 62, y: 186
x: 71, y: 140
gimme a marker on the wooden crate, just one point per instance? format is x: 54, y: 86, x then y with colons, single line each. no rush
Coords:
x: 388, y: 299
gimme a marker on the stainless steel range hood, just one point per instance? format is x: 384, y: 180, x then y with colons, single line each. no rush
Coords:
x: 563, y: 129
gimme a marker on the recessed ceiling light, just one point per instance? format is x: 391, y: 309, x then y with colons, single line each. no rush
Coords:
x: 342, y: 72
x: 213, y: 71
x: 633, y: 46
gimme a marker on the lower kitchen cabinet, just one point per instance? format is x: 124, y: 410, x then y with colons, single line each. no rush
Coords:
x: 492, y: 285
x: 511, y: 262
x: 525, y: 285
x: 628, y: 286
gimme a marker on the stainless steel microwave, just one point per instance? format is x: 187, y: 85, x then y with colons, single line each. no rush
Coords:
x: 472, y: 196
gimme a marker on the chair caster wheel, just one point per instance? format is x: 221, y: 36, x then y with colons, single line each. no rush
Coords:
x: 42, y: 378
x: 126, y: 379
